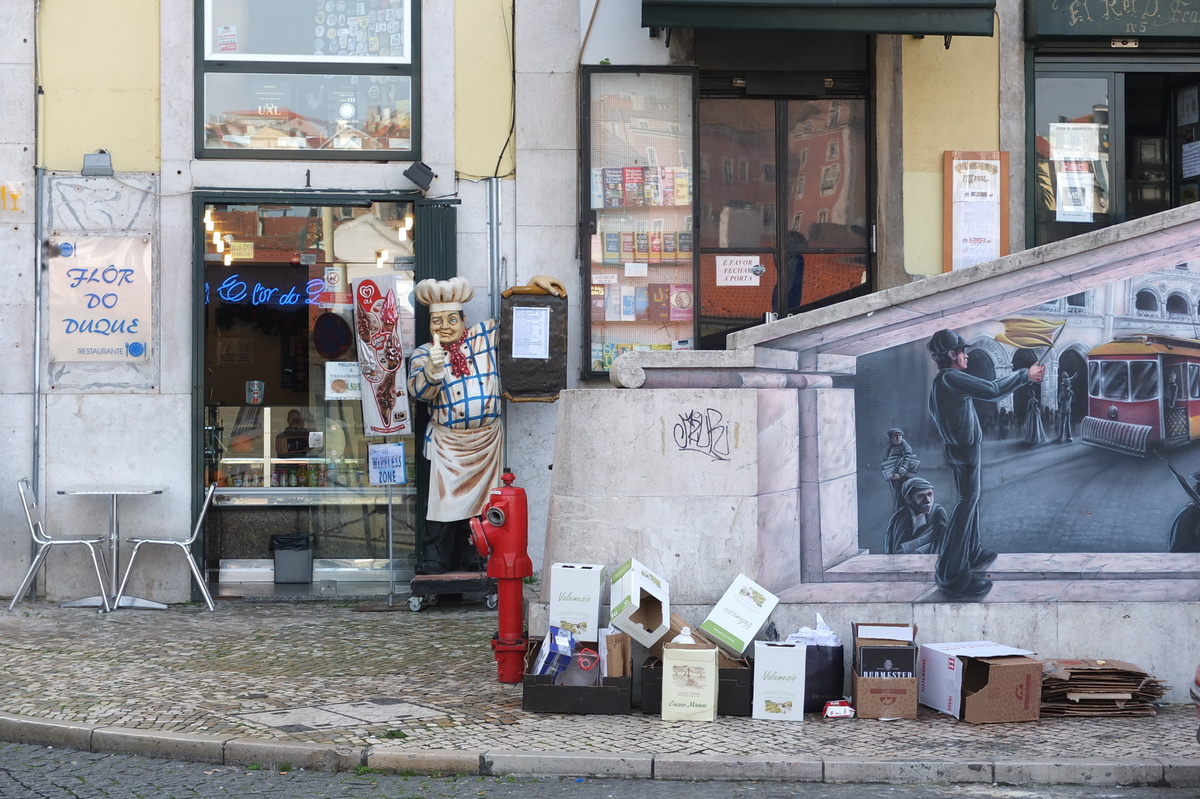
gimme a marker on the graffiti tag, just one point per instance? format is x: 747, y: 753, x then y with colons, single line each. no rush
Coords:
x: 705, y: 432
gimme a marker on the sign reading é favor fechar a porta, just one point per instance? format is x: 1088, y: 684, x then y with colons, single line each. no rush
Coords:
x: 100, y: 299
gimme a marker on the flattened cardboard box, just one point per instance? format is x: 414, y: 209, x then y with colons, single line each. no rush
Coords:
x: 575, y: 597
x: 981, y: 681
x: 641, y: 603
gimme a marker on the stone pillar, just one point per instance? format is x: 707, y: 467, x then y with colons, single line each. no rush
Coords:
x: 828, y: 480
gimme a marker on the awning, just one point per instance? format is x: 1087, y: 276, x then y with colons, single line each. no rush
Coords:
x: 934, y: 17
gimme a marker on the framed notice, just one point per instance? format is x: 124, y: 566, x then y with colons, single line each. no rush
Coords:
x: 101, y: 291
x: 974, y: 201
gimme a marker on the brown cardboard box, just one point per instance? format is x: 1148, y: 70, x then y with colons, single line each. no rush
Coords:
x: 883, y: 697
x: 724, y: 660
x: 981, y: 681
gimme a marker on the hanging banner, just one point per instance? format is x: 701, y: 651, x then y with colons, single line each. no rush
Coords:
x: 381, y: 357
x: 100, y: 299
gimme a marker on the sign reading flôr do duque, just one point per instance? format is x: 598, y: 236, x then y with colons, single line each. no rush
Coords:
x: 100, y: 298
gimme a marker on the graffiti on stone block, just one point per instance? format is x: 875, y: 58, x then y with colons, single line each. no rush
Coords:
x: 703, y: 431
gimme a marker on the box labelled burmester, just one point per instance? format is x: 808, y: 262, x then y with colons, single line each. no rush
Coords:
x: 883, y: 680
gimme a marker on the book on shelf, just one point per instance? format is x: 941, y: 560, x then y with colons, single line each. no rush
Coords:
x: 614, y: 187
x: 628, y: 246
x: 641, y: 303
x: 597, y: 187
x: 650, y: 181
x: 669, y: 242
x: 683, y: 186
x: 683, y: 246
x: 666, y: 185
x: 597, y: 356
x: 681, y: 302
x: 612, y: 248
x: 612, y: 303
x: 656, y: 246
x: 635, y: 189
x: 628, y: 303
x: 641, y: 246
x: 597, y: 303
x: 658, y: 307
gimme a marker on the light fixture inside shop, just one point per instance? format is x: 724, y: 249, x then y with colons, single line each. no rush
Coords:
x: 381, y: 257
x: 403, y: 234
x: 229, y: 259
x: 408, y: 221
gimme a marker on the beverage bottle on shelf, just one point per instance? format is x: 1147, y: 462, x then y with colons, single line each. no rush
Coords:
x: 302, y: 476
x: 312, y: 476
x: 291, y: 481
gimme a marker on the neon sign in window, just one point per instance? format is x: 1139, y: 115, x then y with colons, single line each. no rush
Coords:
x: 235, y: 290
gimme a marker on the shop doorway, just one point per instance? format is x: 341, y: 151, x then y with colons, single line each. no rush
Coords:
x: 283, y: 396
x: 1111, y: 142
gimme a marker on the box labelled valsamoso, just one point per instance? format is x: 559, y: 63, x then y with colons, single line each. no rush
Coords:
x: 884, y: 671
x: 575, y: 598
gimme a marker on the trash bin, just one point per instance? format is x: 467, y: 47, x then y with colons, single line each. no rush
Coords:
x: 293, y: 558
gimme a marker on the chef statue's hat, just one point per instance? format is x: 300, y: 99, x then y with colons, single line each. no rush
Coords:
x: 444, y: 295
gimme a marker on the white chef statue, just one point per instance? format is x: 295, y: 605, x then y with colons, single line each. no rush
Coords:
x: 457, y: 374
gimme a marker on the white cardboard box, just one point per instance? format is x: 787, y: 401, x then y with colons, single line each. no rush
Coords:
x: 741, y: 613
x: 941, y: 671
x: 641, y: 603
x: 690, y: 681
x: 575, y: 598
x: 778, y: 681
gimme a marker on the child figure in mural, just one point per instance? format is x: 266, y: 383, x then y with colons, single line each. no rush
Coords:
x: 898, y: 464
x: 1035, y: 432
x: 457, y: 374
x: 919, y: 527
x: 1066, y: 400
x: 952, y: 398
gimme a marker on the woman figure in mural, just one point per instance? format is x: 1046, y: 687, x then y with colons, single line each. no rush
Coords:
x: 1035, y: 433
x: 919, y: 527
x: 898, y: 464
x: 952, y: 406
x: 1066, y: 400
x: 457, y: 374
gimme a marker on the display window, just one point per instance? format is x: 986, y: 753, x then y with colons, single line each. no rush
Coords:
x: 307, y: 323
x: 309, y: 79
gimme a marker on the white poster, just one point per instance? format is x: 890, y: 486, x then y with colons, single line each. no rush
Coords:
x: 386, y: 464
x: 738, y: 270
x: 531, y: 332
x: 1187, y: 108
x: 100, y: 299
x: 1073, y: 196
x: 381, y: 357
x: 1074, y: 141
x: 975, y: 194
x: 1191, y: 159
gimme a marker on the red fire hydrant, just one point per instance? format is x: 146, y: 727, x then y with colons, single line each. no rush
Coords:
x: 502, y: 536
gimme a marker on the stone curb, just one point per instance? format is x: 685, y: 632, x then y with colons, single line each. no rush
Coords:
x: 227, y: 750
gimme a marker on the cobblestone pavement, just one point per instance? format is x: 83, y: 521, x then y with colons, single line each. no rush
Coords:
x: 325, y: 672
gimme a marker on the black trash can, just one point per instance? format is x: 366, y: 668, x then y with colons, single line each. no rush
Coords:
x: 293, y: 558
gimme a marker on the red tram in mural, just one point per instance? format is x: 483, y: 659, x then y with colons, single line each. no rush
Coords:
x: 1143, y: 393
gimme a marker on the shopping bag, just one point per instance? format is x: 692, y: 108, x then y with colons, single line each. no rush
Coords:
x: 824, y: 676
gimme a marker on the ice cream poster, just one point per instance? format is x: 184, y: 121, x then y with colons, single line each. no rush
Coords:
x: 381, y: 358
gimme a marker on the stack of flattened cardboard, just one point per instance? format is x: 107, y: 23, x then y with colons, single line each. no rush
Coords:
x: 1098, y: 688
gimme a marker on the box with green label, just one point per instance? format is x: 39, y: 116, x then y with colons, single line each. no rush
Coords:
x: 575, y: 597
x: 741, y: 613
x: 641, y: 603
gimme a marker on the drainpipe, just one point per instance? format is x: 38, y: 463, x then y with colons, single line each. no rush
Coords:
x: 38, y: 264
x: 495, y: 281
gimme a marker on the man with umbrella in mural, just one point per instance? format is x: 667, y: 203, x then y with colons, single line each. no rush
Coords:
x: 952, y: 405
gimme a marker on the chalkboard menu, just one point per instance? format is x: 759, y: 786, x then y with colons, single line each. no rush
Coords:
x: 1117, y: 19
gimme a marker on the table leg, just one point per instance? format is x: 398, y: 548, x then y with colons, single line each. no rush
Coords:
x: 114, y: 552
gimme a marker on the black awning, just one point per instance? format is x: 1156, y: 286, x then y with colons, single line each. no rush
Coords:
x: 934, y: 17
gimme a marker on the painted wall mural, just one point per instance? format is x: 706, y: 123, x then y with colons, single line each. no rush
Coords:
x: 1068, y: 427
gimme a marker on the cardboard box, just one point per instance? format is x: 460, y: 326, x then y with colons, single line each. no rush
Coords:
x: 779, y: 681
x: 612, y: 697
x: 641, y: 604
x: 575, y: 597
x: 735, y: 687
x: 689, y: 682
x: 742, y: 611
x: 724, y: 660
x: 981, y: 681
x: 888, y: 688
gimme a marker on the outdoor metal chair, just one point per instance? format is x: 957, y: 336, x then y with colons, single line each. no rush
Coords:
x: 185, y: 544
x: 45, y: 543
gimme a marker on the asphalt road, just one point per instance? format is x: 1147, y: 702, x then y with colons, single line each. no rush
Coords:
x: 34, y: 772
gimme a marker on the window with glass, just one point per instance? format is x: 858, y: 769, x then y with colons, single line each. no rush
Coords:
x: 329, y: 79
x: 287, y: 387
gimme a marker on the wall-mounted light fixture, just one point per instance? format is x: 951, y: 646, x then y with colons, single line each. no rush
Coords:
x: 420, y: 174
x: 97, y: 165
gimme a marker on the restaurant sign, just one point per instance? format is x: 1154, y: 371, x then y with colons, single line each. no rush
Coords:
x: 100, y: 298
x: 1117, y: 19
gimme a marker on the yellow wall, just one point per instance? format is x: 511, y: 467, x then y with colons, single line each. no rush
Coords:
x: 483, y: 88
x: 951, y: 102
x: 99, y: 65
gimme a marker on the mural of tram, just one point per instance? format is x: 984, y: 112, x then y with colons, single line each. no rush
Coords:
x: 1143, y: 393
